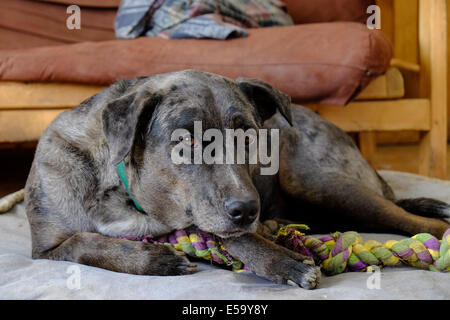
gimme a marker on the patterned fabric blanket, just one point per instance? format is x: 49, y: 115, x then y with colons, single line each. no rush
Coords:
x: 216, y: 19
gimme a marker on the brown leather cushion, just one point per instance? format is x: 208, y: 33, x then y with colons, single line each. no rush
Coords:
x: 88, y: 3
x: 324, y: 62
x: 27, y: 24
x: 310, y: 11
x: 21, y: 27
x: 303, y: 11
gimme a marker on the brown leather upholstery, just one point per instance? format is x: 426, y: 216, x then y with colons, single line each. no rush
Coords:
x: 27, y: 24
x: 324, y: 62
x: 302, y: 11
x: 88, y: 3
x: 310, y: 11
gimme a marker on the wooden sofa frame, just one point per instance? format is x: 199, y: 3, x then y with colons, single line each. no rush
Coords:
x: 26, y: 109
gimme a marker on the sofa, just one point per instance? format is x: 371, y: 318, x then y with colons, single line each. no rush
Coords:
x: 315, y: 62
x: 328, y: 58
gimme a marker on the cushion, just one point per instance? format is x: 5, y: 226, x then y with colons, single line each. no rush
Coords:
x: 310, y: 11
x: 24, y: 278
x: 325, y: 62
x: 21, y: 27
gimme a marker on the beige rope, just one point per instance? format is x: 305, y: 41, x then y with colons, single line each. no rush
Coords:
x: 10, y: 200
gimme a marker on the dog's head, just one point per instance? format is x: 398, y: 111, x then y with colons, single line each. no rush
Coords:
x: 139, y: 128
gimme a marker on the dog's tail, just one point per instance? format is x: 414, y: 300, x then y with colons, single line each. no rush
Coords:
x: 426, y: 207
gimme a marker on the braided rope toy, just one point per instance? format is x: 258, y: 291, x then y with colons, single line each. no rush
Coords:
x: 7, y: 202
x: 335, y: 253
x: 340, y: 252
x: 196, y: 244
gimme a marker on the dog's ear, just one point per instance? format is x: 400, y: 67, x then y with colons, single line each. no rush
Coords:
x: 120, y: 120
x: 266, y: 99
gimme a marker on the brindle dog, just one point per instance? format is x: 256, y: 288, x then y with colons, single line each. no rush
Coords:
x: 78, y: 206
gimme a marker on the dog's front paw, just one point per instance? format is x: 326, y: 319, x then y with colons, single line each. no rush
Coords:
x: 274, y: 262
x: 166, y: 261
x: 287, y: 270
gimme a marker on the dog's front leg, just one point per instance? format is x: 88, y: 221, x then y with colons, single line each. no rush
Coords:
x: 272, y: 261
x: 121, y: 255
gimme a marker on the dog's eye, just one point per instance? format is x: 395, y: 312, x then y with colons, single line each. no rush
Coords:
x: 249, y: 139
x: 188, y: 139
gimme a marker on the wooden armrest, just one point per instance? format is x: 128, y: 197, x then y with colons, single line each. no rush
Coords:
x: 405, y: 65
x: 19, y: 95
x: 388, y: 86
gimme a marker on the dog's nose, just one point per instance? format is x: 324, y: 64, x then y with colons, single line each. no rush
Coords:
x: 242, y: 211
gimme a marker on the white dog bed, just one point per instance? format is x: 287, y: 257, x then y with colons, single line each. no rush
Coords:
x: 24, y: 278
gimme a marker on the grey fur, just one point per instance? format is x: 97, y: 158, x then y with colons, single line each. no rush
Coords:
x: 77, y: 206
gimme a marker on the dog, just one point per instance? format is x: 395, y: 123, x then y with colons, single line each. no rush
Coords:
x: 78, y: 206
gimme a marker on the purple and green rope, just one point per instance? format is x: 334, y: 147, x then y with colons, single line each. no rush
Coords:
x: 336, y: 253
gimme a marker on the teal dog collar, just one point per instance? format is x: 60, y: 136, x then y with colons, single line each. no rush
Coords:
x: 123, y: 176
